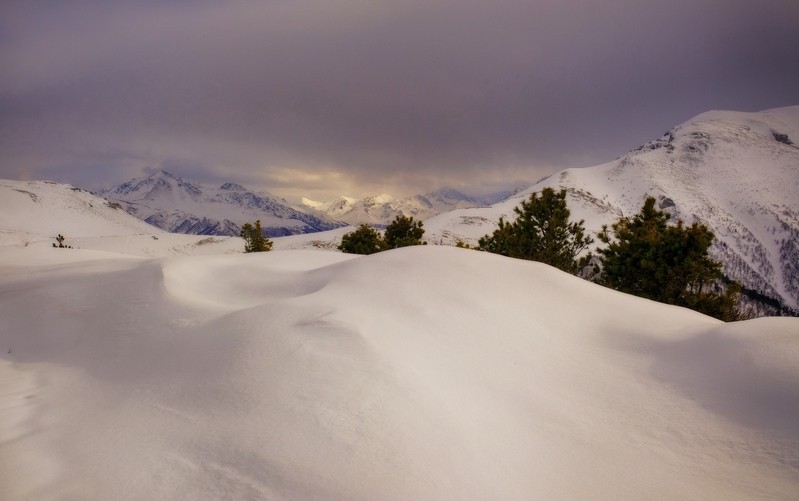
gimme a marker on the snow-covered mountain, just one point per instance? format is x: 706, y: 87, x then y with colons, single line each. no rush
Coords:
x: 417, y: 373
x: 32, y: 213
x: 31, y: 210
x: 180, y: 206
x: 335, y: 209
x: 380, y: 210
x: 736, y: 172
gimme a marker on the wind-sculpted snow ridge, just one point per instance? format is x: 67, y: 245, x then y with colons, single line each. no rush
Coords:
x: 738, y: 173
x: 419, y: 373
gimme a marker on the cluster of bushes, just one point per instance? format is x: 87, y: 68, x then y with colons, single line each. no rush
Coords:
x: 402, y: 232
x: 644, y: 255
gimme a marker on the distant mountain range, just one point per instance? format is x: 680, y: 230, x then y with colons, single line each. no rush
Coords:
x: 380, y: 210
x: 738, y: 173
x: 180, y: 206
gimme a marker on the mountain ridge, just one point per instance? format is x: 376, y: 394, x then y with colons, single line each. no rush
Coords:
x: 176, y: 205
x: 380, y: 210
x: 736, y: 172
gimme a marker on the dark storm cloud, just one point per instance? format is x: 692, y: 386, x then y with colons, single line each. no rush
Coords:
x: 308, y: 96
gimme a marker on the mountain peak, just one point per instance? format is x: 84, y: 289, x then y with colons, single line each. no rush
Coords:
x: 232, y: 187
x: 735, y: 172
x: 448, y: 194
x: 311, y: 203
x: 383, y: 198
x: 162, y: 174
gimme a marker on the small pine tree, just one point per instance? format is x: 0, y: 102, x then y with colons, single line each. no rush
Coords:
x: 541, y: 232
x: 254, y: 240
x: 647, y: 257
x: 364, y: 240
x: 404, y: 232
x: 60, y: 239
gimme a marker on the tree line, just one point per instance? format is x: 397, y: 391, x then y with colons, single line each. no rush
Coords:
x: 402, y: 232
x: 644, y: 255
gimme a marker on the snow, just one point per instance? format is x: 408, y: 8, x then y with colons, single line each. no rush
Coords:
x: 722, y: 168
x: 134, y: 368
x: 380, y: 210
x: 311, y: 203
x: 383, y: 198
x: 178, y: 205
x: 53, y: 208
x: 334, y: 208
x: 32, y: 213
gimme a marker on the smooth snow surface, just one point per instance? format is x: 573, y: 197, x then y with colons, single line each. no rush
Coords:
x: 422, y: 373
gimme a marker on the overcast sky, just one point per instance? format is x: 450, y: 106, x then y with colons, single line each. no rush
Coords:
x: 330, y: 97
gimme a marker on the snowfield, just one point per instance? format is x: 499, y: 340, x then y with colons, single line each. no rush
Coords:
x: 147, y: 365
x: 421, y: 373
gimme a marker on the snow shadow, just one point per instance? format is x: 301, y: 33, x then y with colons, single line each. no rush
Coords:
x: 747, y: 380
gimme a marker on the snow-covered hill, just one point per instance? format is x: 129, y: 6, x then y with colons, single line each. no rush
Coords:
x: 34, y: 210
x: 420, y: 373
x: 179, y: 206
x: 380, y: 210
x: 32, y: 213
x: 738, y: 173
x: 150, y: 365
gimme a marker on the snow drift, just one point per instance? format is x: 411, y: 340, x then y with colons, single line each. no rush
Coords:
x: 421, y: 373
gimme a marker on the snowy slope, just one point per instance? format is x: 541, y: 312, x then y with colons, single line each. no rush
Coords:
x: 334, y: 209
x: 35, y: 210
x: 32, y: 213
x: 421, y: 373
x: 732, y: 171
x: 180, y: 206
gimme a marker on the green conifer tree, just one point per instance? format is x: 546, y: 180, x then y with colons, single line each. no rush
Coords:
x: 364, y: 240
x: 254, y: 240
x: 650, y: 258
x: 541, y: 232
x: 404, y: 232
